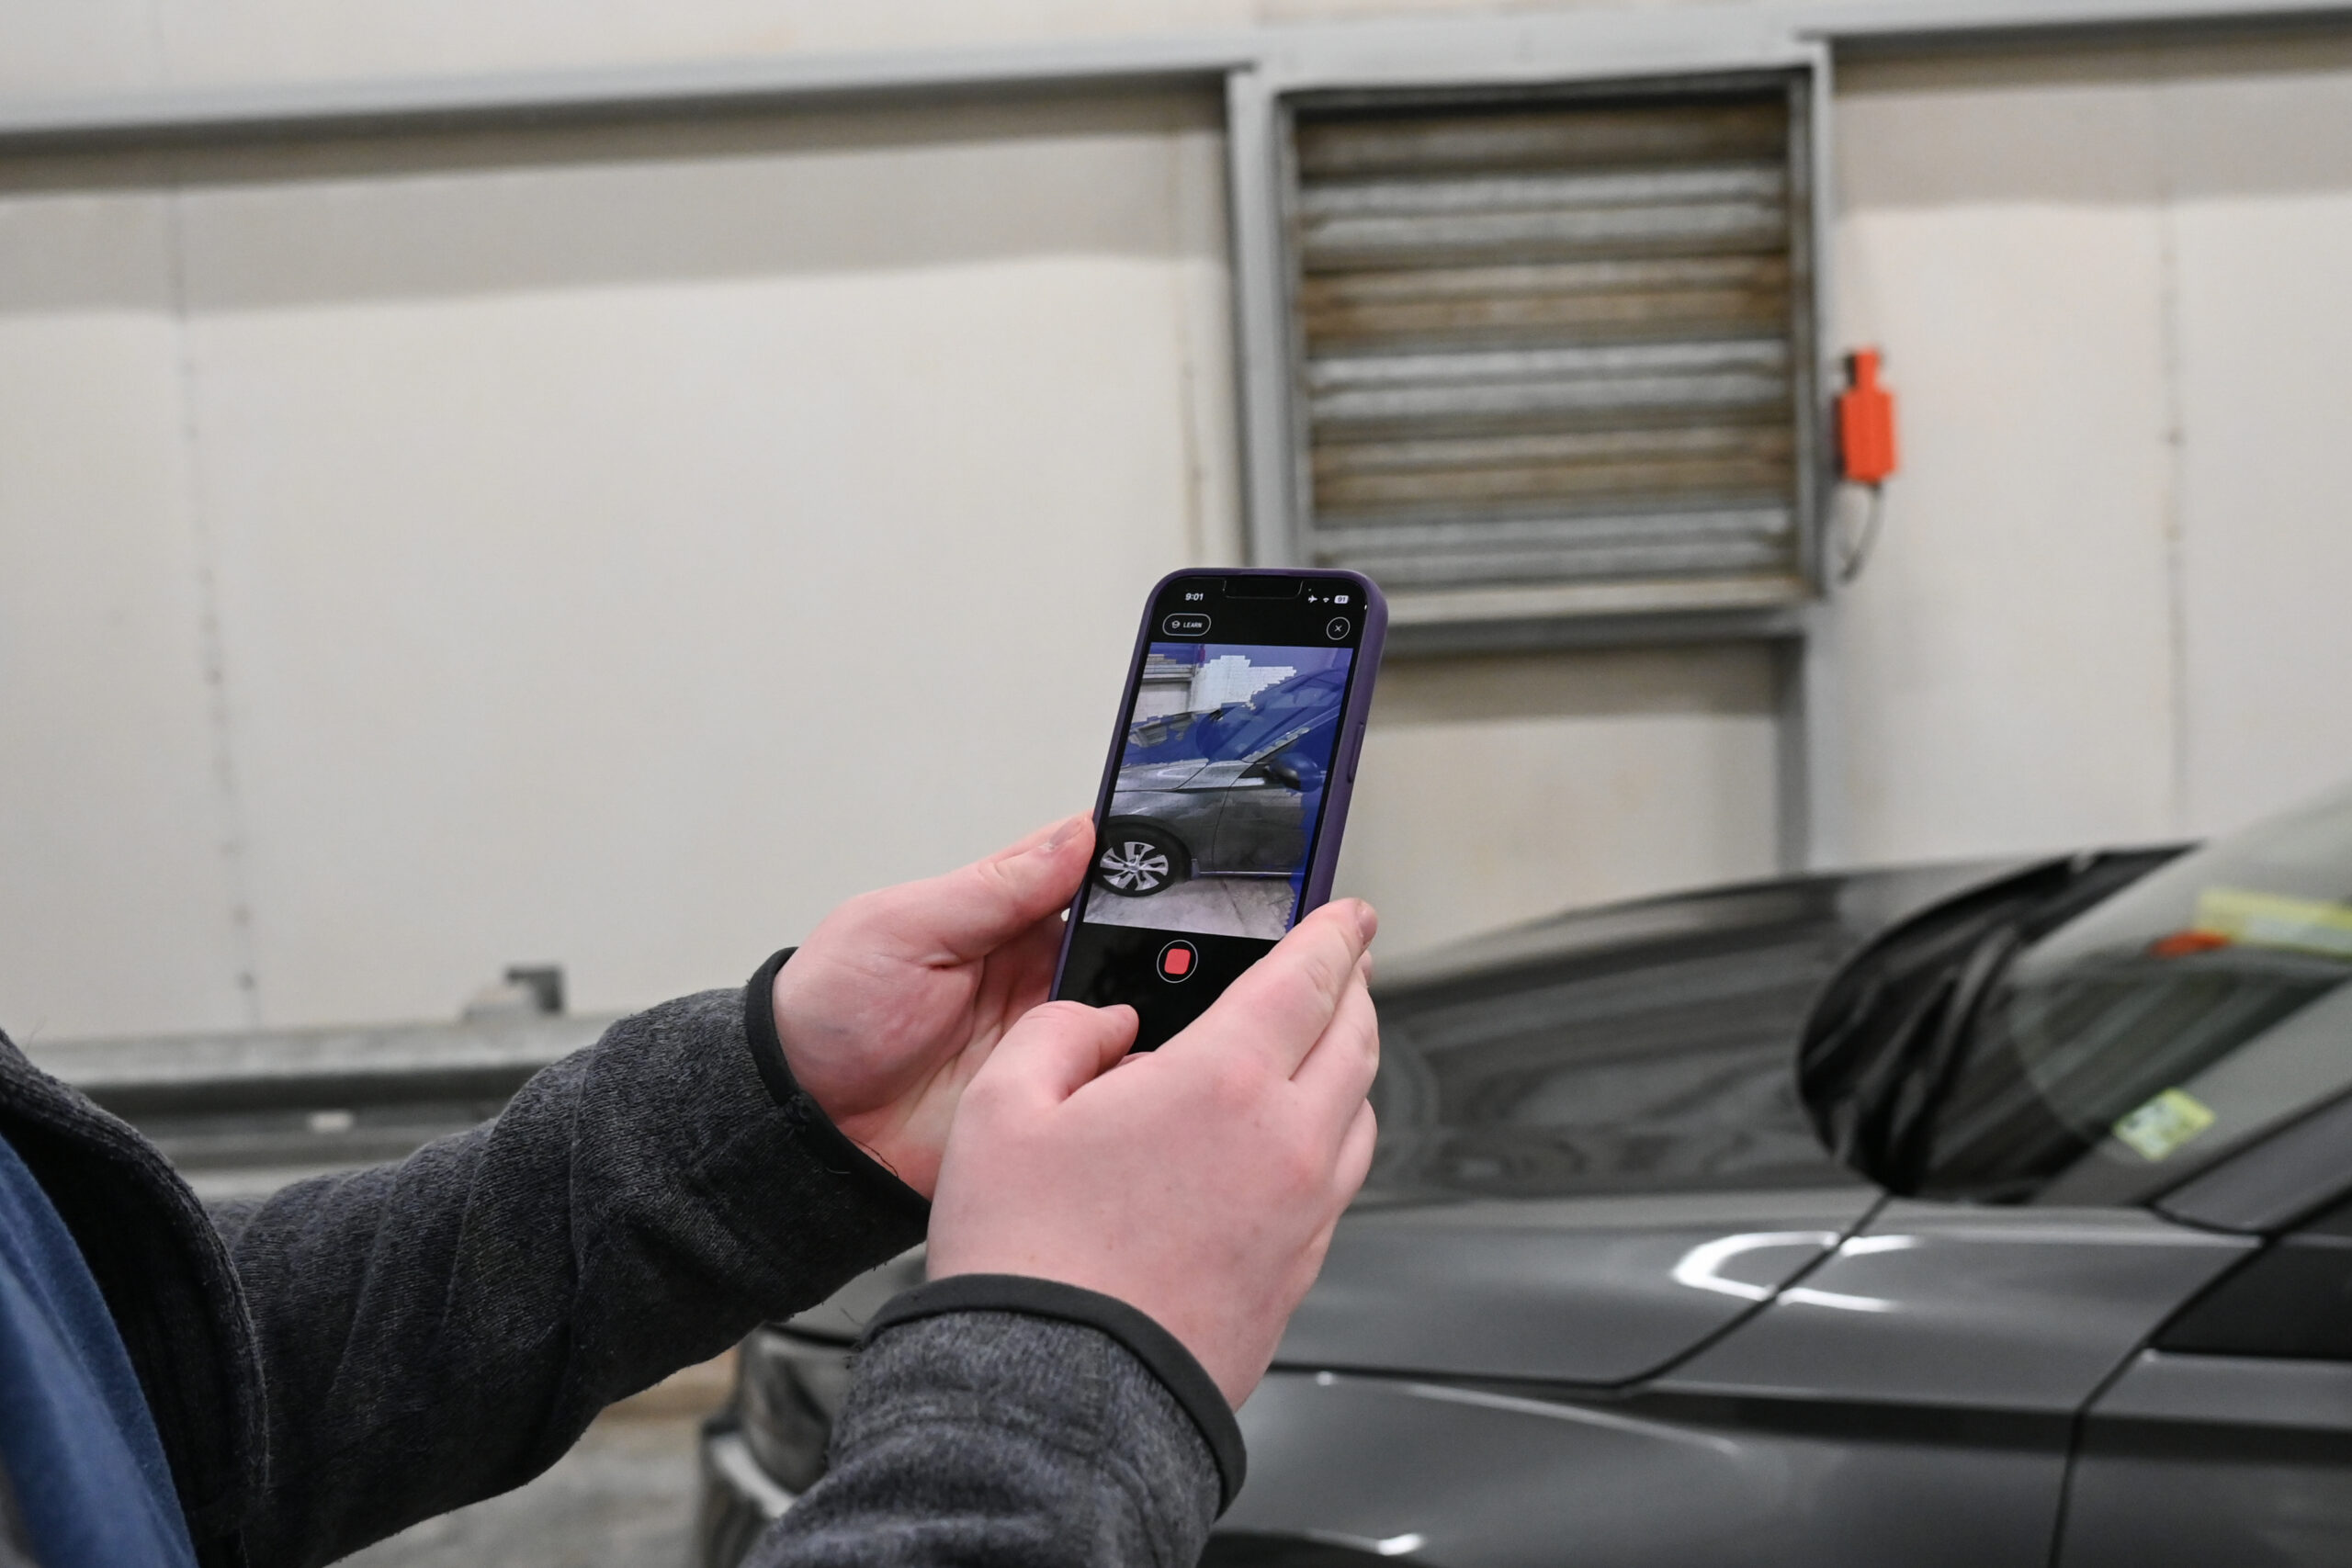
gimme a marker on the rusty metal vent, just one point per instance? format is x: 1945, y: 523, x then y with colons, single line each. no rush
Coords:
x: 1555, y: 342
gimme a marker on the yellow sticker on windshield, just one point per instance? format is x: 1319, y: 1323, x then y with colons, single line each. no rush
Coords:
x: 2267, y: 919
x: 2164, y: 1124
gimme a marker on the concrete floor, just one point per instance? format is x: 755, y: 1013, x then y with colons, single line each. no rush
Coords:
x: 1210, y: 906
x: 624, y: 1497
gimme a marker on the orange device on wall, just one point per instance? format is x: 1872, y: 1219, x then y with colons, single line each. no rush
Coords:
x: 1865, y: 423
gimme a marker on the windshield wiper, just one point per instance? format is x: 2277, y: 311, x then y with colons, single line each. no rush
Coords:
x: 1887, y: 1041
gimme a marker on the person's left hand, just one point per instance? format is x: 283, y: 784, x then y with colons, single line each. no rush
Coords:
x: 898, y: 996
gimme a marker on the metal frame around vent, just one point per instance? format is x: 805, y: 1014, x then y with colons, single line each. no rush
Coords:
x: 1529, y: 611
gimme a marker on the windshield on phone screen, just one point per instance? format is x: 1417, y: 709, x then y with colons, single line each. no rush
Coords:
x: 2161, y: 1028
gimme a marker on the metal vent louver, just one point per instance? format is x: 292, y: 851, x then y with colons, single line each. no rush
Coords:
x: 1555, y: 342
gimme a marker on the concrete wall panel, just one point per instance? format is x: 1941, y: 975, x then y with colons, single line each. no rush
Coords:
x: 589, y: 607
x: 2262, y: 228
x: 2112, y: 570
x: 1500, y: 789
x: 119, y: 907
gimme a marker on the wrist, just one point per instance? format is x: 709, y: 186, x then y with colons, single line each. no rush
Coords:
x: 849, y: 1155
x: 1162, y: 1354
x: 832, y: 1073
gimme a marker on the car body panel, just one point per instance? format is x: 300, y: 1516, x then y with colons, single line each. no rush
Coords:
x: 1586, y: 1291
x: 2241, y: 1460
x: 1498, y: 1478
x: 1909, y: 1399
x: 1952, y: 1306
x: 1263, y: 827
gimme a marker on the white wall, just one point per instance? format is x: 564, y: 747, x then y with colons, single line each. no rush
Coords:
x: 422, y: 556
x: 601, y: 549
x: 2110, y: 597
x: 1498, y: 789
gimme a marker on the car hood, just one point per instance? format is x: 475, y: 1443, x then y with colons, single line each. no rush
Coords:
x: 1577, y: 1289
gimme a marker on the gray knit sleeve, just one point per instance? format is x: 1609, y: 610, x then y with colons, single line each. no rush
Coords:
x: 984, y: 1437
x: 438, y: 1331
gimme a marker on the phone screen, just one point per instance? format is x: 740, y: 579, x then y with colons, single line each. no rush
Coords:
x: 1234, y: 727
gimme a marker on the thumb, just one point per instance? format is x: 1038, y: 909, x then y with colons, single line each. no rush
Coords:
x: 977, y: 908
x: 1057, y: 1049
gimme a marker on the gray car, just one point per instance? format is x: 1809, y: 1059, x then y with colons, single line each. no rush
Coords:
x: 1973, y: 1215
x: 1232, y: 792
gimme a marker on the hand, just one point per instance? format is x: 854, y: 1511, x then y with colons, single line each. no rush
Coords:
x: 898, y: 996
x: 1198, y: 1184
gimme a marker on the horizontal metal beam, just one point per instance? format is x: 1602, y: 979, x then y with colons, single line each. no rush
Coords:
x: 657, y: 92
x: 1552, y: 634
x: 323, y: 110
x: 1861, y: 24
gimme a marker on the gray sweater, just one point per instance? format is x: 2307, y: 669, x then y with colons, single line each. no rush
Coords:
x: 359, y: 1352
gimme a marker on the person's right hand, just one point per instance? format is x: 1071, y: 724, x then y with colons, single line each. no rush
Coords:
x: 1198, y: 1184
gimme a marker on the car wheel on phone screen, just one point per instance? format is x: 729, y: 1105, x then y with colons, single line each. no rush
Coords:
x: 1137, y: 859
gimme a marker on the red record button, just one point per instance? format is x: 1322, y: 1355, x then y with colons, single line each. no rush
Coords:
x: 1178, y: 960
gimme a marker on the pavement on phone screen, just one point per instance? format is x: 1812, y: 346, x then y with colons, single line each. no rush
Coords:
x: 1210, y: 906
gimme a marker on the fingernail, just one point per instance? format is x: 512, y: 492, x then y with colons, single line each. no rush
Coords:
x: 1367, y: 920
x: 1061, y: 834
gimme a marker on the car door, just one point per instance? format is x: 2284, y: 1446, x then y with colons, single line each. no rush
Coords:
x: 2229, y: 1439
x: 1281, y: 756
x: 1264, y: 824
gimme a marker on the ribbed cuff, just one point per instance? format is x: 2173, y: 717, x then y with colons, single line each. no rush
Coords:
x: 767, y: 1055
x: 1162, y: 1352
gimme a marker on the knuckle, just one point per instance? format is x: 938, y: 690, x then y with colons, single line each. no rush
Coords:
x: 1331, y: 962
x: 1301, y: 1168
x: 988, y: 881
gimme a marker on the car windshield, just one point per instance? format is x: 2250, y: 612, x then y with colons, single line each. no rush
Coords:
x: 1276, y: 717
x: 2161, y: 1027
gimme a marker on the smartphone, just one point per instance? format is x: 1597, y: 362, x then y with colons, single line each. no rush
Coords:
x: 1218, y: 822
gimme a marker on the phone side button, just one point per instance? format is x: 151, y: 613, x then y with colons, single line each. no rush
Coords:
x: 1355, y: 752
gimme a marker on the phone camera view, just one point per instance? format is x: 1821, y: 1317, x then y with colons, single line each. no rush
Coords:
x: 1220, y: 815
x: 1219, y: 788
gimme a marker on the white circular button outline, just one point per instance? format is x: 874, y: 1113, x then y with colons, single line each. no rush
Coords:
x: 1159, y: 964
x: 1337, y: 628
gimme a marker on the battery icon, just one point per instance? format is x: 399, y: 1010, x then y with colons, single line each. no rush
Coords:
x: 1339, y: 599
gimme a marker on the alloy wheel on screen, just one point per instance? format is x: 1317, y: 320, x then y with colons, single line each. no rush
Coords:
x: 1141, y: 866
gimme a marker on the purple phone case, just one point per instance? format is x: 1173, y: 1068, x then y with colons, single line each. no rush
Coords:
x: 1336, y: 793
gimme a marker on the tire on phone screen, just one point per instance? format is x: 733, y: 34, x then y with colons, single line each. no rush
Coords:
x: 1135, y: 860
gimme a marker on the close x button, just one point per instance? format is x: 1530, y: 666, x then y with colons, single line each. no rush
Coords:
x: 1178, y: 960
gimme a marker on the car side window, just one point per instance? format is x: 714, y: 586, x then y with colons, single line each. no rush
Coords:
x: 2292, y: 1299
